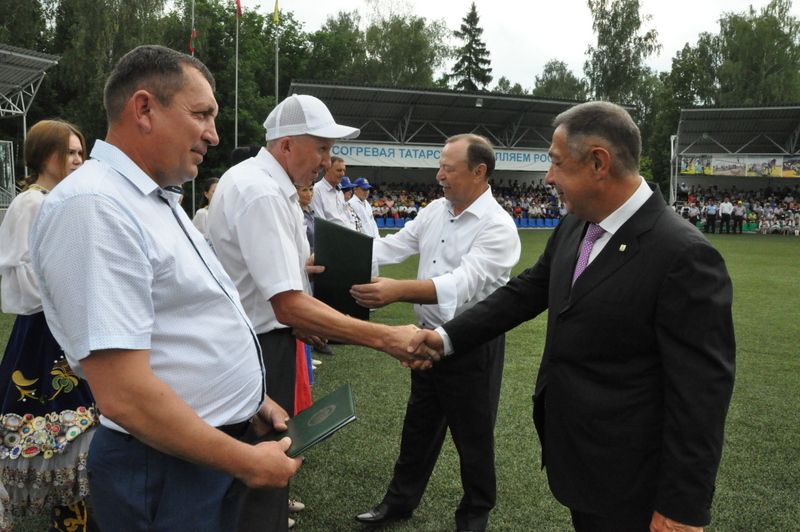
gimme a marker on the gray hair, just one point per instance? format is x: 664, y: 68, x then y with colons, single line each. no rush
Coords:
x: 609, y: 122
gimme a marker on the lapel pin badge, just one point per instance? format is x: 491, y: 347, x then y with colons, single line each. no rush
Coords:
x: 623, y: 247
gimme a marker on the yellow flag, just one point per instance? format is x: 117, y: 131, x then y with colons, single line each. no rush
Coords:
x: 276, y: 17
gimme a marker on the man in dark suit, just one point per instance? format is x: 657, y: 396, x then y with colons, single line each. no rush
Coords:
x: 638, y: 364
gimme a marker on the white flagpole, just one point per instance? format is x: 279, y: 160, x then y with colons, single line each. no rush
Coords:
x: 236, y: 90
x: 277, y: 47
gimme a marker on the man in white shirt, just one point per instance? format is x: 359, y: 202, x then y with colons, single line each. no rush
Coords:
x: 144, y: 310
x: 328, y: 202
x: 467, y: 245
x: 725, y: 211
x: 256, y: 227
x: 361, y: 206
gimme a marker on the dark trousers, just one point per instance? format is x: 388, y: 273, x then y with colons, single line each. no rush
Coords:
x: 136, y: 487
x: 460, y: 393
x: 737, y: 223
x: 726, y: 224
x: 711, y: 223
x: 267, y: 510
x: 584, y: 522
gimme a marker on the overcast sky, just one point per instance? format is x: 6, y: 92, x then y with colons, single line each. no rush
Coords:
x: 522, y: 35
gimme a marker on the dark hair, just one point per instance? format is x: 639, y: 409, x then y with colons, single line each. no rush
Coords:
x: 155, y: 68
x: 479, y: 150
x: 44, y: 139
x: 206, y: 189
x: 336, y: 159
x: 241, y: 153
x: 607, y: 121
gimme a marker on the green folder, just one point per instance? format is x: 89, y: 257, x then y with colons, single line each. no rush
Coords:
x: 347, y: 257
x: 319, y: 421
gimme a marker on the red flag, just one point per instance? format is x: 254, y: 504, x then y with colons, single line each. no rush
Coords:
x: 191, y: 42
x: 239, y: 8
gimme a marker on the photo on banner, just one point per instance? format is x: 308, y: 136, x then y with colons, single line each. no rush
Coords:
x: 728, y: 165
x: 764, y: 166
x: 791, y: 166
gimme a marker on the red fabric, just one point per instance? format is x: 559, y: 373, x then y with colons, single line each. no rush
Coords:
x: 302, y: 389
x: 238, y: 8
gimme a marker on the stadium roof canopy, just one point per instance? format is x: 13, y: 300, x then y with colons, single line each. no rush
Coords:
x: 429, y: 116
x: 21, y: 73
x: 773, y: 130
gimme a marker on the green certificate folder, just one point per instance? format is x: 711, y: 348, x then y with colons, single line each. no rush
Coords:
x: 319, y: 421
x: 347, y: 257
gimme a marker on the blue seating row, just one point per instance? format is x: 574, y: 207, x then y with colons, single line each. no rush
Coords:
x: 391, y: 223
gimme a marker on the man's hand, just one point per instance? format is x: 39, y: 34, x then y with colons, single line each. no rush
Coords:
x: 271, y: 416
x: 398, y: 342
x: 271, y: 468
x: 379, y: 293
x: 311, y: 268
x: 317, y: 342
x: 427, y: 346
x: 659, y: 523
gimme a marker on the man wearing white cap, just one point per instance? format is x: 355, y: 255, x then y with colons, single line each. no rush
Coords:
x: 256, y: 226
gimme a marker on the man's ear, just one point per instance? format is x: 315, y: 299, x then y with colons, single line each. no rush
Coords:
x: 480, y: 170
x: 601, y: 159
x: 142, y: 108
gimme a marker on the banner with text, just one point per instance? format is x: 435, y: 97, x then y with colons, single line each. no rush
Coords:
x: 419, y: 156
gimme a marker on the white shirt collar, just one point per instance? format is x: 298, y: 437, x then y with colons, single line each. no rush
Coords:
x: 278, y: 173
x: 119, y: 161
x: 478, y: 207
x: 617, y: 219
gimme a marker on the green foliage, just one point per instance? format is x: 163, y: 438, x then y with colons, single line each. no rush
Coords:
x: 472, y: 70
x: 338, y: 50
x: 759, y: 56
x: 504, y: 86
x: 557, y: 81
x: 405, y: 50
x: 616, y: 64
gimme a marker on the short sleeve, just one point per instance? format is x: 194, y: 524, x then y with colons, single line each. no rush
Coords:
x: 92, y: 263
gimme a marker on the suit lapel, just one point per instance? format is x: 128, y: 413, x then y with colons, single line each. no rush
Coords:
x: 622, y: 247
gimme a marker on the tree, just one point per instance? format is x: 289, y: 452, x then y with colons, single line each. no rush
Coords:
x: 504, y: 86
x: 759, y: 56
x: 405, y: 50
x: 338, y: 50
x: 616, y: 64
x: 472, y: 71
x: 557, y: 81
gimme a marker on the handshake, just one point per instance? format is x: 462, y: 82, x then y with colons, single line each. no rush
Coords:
x: 415, y: 348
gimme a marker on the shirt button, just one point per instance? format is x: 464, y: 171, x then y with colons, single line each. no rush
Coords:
x: 442, y: 241
x: 434, y: 261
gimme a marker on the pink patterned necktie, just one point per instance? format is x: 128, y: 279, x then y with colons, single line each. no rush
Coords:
x: 593, y: 233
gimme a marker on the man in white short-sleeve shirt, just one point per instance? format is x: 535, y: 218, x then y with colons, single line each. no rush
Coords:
x: 467, y: 245
x: 147, y: 314
x: 328, y: 201
x: 256, y: 227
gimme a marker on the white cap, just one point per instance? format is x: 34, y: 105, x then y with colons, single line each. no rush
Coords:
x: 301, y: 114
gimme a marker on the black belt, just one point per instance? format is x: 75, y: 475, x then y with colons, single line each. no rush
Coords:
x: 235, y: 430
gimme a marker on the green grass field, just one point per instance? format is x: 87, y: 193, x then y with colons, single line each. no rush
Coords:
x: 758, y: 486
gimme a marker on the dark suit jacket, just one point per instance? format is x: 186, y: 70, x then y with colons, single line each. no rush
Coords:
x: 638, y: 364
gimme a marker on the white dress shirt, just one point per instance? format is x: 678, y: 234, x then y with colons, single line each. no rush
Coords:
x: 467, y: 256
x: 20, y: 291
x: 617, y: 219
x: 121, y: 266
x: 328, y: 203
x: 200, y: 219
x: 255, y: 224
x: 363, y: 210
